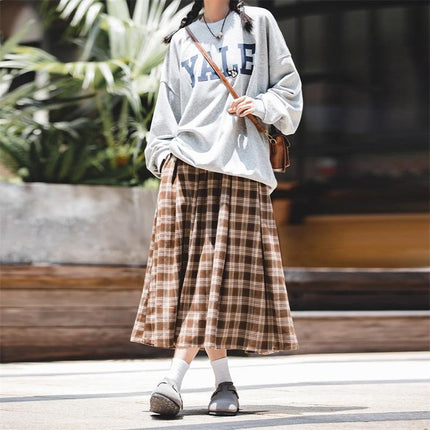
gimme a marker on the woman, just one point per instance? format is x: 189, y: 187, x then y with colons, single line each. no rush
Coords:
x: 214, y: 278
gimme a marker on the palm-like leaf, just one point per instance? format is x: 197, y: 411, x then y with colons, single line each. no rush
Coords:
x: 136, y: 40
x: 90, y: 73
x: 84, y: 13
x: 135, y: 48
x: 118, y: 68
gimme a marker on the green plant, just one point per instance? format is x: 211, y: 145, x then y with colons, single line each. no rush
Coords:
x: 114, y: 82
x: 59, y: 152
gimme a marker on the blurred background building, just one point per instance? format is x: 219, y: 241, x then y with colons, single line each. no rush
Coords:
x: 362, y: 147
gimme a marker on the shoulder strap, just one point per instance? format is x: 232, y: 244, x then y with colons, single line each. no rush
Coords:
x: 223, y: 78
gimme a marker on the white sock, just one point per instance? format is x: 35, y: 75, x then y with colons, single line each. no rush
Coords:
x: 177, y: 371
x: 221, y: 371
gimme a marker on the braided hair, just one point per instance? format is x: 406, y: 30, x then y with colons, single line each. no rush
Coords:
x: 235, y: 5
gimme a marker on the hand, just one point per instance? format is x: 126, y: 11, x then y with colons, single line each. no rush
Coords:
x: 242, y: 106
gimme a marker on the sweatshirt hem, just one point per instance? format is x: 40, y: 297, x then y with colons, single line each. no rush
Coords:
x: 272, y: 186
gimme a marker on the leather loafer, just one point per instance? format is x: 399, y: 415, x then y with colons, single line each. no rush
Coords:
x: 166, y: 399
x: 224, y: 400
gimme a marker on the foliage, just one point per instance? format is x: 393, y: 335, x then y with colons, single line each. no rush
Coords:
x: 112, y: 85
x: 59, y: 152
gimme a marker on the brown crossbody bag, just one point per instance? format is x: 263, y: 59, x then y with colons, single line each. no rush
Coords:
x: 278, y: 142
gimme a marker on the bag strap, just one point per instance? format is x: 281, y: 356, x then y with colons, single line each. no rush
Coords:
x: 227, y: 84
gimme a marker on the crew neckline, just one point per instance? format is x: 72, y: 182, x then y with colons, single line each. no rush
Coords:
x: 214, y: 22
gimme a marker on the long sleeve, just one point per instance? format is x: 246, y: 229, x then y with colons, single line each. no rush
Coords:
x: 166, y: 114
x: 282, y: 104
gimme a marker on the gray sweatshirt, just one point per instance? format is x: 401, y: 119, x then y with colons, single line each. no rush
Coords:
x: 191, y: 120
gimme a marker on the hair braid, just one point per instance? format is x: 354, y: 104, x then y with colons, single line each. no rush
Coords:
x: 235, y: 5
x: 191, y: 16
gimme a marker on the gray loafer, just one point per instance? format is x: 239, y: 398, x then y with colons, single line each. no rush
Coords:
x: 166, y: 399
x: 224, y: 400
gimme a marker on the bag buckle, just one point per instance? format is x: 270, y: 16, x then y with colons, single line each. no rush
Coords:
x: 272, y: 140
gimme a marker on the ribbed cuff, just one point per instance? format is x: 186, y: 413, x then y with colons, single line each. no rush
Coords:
x: 260, y: 109
x: 161, y: 157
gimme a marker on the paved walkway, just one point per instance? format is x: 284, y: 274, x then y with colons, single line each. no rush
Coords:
x: 319, y: 391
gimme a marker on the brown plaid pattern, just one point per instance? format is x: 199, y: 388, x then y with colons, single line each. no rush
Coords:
x: 214, y: 276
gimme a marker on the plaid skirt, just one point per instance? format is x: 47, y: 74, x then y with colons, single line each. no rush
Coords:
x: 214, y: 276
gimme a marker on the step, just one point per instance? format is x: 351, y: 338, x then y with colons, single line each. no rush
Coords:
x: 87, y: 312
x: 322, y: 288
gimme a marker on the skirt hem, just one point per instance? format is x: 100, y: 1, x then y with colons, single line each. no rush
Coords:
x: 287, y: 347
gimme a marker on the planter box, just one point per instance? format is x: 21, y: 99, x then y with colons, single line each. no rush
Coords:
x: 75, y: 224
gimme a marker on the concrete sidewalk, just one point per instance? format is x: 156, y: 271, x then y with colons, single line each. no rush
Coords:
x: 319, y: 391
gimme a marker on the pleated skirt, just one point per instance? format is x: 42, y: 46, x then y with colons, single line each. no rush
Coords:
x: 214, y: 276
